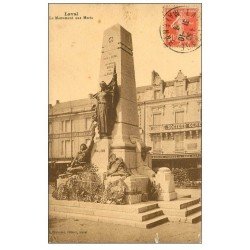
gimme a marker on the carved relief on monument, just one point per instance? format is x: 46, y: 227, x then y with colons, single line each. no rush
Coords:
x: 117, y: 167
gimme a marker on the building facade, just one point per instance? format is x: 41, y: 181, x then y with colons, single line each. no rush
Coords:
x: 69, y: 124
x: 169, y: 119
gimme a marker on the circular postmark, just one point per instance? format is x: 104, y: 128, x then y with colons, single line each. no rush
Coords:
x: 181, y: 28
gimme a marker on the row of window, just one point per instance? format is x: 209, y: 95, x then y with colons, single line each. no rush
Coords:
x: 68, y: 148
x: 179, y: 118
x: 177, y: 137
x: 68, y: 126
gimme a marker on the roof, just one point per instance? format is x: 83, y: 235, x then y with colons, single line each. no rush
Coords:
x: 193, y: 79
x: 169, y: 83
x: 72, y: 106
x: 189, y: 80
x: 143, y: 88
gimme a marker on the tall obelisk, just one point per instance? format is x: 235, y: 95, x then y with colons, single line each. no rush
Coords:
x: 117, y: 50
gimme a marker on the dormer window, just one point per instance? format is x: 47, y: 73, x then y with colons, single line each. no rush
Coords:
x: 179, y: 90
x: 157, y: 94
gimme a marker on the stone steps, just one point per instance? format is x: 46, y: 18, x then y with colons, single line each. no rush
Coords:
x: 179, y: 204
x: 193, y: 218
x: 107, y: 213
x: 151, y: 214
x: 144, y: 215
x: 134, y: 208
x: 193, y: 209
x: 182, y: 212
x: 186, y: 210
x: 154, y: 222
x: 146, y: 208
x: 145, y: 224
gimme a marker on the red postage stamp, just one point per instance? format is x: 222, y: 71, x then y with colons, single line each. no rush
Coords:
x: 181, y: 28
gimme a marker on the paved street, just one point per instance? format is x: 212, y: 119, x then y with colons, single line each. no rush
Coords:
x: 83, y: 231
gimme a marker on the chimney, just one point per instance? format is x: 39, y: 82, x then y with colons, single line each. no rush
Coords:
x: 57, y: 101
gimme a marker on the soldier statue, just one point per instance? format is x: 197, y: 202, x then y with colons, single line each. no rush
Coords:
x: 82, y: 159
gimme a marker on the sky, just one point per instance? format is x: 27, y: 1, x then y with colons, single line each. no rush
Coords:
x: 75, y: 47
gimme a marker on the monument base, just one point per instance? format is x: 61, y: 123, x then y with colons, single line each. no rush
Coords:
x: 134, y: 183
x: 137, y: 184
x: 100, y: 155
x: 167, y: 196
x: 136, y: 187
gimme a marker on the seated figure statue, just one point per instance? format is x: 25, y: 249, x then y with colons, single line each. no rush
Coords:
x: 82, y: 158
x: 117, y: 167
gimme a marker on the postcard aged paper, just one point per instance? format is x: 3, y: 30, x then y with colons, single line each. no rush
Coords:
x: 124, y: 123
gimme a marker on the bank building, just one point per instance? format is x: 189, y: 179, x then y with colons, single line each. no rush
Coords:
x: 169, y: 119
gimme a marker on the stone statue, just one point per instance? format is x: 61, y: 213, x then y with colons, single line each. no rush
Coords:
x: 107, y: 99
x: 117, y: 167
x: 82, y: 159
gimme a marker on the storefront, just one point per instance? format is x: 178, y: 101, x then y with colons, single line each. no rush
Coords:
x: 57, y: 167
x: 176, y: 161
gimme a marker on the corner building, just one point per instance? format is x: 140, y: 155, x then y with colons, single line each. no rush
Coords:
x: 169, y: 119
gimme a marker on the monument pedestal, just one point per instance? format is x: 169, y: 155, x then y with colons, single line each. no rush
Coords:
x: 100, y: 155
x: 127, y: 153
x: 137, y: 184
x: 134, y: 183
x: 165, y: 179
x: 136, y: 187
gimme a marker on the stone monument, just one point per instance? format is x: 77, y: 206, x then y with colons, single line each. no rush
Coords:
x: 116, y: 151
x: 117, y: 70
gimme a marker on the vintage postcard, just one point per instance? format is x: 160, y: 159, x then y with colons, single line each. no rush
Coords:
x: 125, y: 105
